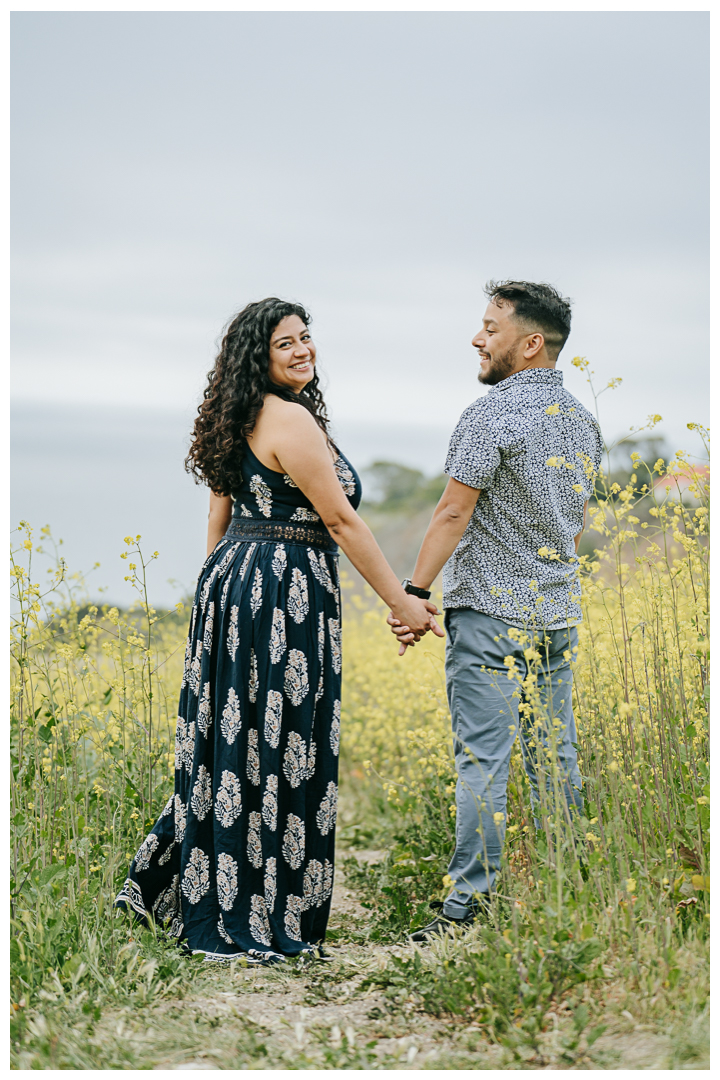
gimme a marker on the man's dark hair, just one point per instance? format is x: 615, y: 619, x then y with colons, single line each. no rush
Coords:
x: 538, y: 307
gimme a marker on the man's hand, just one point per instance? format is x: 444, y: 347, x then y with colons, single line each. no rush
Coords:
x: 405, y: 635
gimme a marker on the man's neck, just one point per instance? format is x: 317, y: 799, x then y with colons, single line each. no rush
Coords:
x: 547, y: 365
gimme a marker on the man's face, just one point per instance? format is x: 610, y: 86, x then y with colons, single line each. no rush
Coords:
x: 499, y: 345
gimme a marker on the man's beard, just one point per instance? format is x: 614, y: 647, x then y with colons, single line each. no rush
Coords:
x: 499, y: 368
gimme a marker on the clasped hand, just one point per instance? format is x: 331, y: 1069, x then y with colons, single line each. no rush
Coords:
x: 412, y: 621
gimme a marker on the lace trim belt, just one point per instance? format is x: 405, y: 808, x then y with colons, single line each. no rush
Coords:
x: 287, y: 531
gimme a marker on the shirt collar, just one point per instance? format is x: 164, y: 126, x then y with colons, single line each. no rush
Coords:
x: 530, y: 377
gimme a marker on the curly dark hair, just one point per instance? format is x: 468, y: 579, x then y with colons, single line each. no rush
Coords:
x: 235, y: 393
x: 538, y: 306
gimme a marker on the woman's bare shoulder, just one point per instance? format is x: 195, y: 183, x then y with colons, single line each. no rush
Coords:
x: 278, y: 410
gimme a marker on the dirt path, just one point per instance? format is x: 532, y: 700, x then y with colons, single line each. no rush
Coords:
x: 323, y: 1016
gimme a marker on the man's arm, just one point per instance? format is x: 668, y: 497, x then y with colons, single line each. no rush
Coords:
x: 449, y: 522
x: 443, y: 535
x: 444, y: 532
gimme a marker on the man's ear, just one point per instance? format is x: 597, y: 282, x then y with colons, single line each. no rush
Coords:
x: 533, y: 346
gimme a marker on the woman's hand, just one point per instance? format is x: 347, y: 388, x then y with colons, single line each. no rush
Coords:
x: 402, y: 627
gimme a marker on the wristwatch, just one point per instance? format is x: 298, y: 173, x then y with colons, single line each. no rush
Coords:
x: 413, y: 590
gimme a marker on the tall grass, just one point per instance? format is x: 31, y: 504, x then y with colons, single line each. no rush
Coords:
x: 621, y: 889
x: 618, y: 895
x: 92, y: 726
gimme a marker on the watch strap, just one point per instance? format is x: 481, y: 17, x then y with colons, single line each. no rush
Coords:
x: 413, y: 590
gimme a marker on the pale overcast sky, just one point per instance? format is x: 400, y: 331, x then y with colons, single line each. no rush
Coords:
x: 379, y: 168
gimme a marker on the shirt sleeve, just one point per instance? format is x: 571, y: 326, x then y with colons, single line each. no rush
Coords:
x: 473, y: 455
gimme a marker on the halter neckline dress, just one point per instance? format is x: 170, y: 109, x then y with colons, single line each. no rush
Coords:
x: 241, y: 860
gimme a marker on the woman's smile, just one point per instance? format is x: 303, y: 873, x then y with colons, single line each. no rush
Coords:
x: 292, y: 354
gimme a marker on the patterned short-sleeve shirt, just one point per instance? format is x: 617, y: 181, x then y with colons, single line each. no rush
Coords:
x: 533, y: 451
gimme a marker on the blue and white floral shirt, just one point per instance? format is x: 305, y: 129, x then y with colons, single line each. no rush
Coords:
x: 533, y: 451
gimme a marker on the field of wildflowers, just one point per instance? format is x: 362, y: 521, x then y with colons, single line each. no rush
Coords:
x: 610, y: 905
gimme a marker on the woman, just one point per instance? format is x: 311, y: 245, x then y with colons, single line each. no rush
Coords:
x: 240, y: 863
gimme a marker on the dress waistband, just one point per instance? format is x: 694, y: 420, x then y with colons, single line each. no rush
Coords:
x: 288, y: 531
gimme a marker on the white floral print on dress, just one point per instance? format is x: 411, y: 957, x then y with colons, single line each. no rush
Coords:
x: 253, y: 757
x: 228, y: 799
x: 327, y: 812
x: 319, y: 569
x: 278, y: 643
x: 327, y: 880
x: 167, y: 907
x: 313, y: 884
x: 166, y: 855
x: 293, y: 911
x: 303, y: 514
x: 293, y: 845
x: 188, y: 649
x: 335, y: 729
x: 201, y: 798
x: 256, y: 594
x: 345, y: 476
x: 227, y: 885
x: 270, y: 805
x: 196, y: 879
x: 310, y: 767
x: 295, y: 760
x: 233, y: 638
x: 296, y: 677
x: 297, y: 602
x: 246, y: 561
x: 270, y: 883
x: 204, y: 713
x: 335, y: 644
x: 279, y: 561
x: 253, y: 680
x: 321, y: 658
x: 205, y: 594
x: 259, y: 922
x: 225, y: 588
x: 184, y: 744
x: 254, y: 847
x: 263, y: 495
x: 273, y: 718
x: 231, y: 721
x: 208, y: 633
x: 180, y: 819
x: 148, y: 846
x: 223, y: 932
x: 194, y: 673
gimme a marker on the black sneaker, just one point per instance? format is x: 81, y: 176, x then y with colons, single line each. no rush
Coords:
x: 441, y: 923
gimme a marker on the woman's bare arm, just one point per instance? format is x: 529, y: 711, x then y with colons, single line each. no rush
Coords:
x: 301, y: 450
x: 219, y: 516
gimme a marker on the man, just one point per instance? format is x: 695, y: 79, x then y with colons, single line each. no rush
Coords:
x: 521, y: 464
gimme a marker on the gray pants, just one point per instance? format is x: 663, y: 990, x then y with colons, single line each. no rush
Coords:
x: 486, y: 719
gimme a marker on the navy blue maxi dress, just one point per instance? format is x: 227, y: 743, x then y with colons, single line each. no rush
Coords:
x: 240, y: 862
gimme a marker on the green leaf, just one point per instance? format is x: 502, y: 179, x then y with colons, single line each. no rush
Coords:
x: 56, y: 871
x: 594, y: 1034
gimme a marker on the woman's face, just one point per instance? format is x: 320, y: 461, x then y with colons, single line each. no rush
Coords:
x: 292, y: 354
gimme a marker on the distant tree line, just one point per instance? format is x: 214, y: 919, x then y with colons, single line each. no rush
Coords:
x: 394, y: 488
